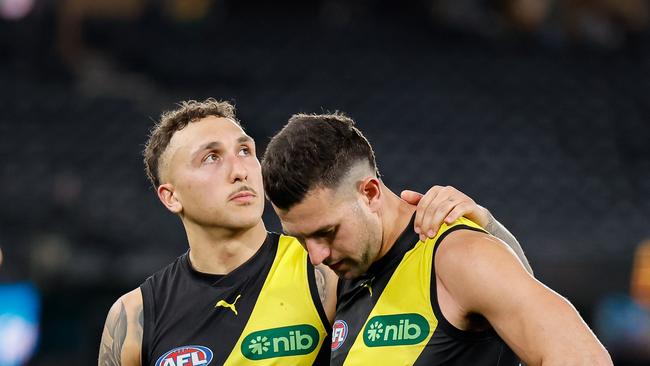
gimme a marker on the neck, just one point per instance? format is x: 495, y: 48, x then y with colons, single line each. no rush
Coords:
x: 220, y: 250
x: 395, y: 215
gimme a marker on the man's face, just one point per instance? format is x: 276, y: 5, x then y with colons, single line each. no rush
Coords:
x: 337, y: 229
x: 213, y: 174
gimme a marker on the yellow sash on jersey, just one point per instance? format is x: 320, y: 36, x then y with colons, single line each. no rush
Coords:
x: 402, y: 322
x: 284, y: 327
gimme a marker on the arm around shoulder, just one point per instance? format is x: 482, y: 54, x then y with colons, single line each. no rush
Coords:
x: 121, y: 342
x: 497, y: 229
x: 484, y: 277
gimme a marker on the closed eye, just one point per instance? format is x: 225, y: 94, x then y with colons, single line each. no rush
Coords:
x: 325, y: 233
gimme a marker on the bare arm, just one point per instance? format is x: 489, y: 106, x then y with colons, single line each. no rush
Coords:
x: 495, y: 228
x: 326, y: 282
x: 122, y: 335
x: 482, y: 276
x: 447, y: 204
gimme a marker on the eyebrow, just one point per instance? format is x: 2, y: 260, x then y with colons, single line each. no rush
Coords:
x: 216, y: 145
x: 213, y: 145
x: 321, y: 231
x: 244, y: 138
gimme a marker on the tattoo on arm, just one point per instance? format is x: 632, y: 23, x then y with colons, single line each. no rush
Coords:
x: 140, y: 325
x: 113, y: 336
x: 320, y: 283
x: 495, y: 228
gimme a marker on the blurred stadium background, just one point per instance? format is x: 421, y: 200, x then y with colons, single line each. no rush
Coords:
x: 540, y: 110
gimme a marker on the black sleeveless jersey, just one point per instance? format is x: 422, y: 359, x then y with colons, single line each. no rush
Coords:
x: 267, y: 311
x: 390, y: 316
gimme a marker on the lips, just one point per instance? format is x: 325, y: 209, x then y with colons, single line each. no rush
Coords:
x: 243, y: 196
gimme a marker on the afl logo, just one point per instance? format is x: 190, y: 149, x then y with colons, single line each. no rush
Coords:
x: 186, y: 356
x: 339, y: 333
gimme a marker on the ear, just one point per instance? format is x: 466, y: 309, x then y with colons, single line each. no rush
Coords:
x: 168, y: 197
x: 370, y: 189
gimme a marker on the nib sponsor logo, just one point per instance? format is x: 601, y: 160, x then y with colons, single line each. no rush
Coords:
x: 278, y: 342
x: 186, y: 356
x: 395, y: 330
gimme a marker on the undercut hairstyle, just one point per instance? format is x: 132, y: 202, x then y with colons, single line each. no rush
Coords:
x: 175, y: 120
x: 312, y: 151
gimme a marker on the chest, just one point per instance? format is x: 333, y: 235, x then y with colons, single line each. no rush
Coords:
x: 388, y: 318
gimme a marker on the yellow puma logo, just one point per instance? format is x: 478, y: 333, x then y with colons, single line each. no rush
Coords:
x: 368, y: 286
x: 227, y: 305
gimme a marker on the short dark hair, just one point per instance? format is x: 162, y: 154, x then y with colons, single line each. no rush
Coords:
x: 175, y: 120
x: 312, y: 151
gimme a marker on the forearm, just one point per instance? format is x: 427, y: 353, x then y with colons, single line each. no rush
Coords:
x: 495, y: 228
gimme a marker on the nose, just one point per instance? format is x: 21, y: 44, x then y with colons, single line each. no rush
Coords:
x: 318, y: 251
x: 238, y: 171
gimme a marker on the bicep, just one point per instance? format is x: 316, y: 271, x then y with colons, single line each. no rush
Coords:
x: 537, y: 323
x: 122, y: 334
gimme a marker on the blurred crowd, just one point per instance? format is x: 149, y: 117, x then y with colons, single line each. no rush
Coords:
x: 601, y: 23
x: 562, y: 123
x: 606, y: 23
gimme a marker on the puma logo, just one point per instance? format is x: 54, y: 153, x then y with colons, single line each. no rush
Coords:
x: 227, y: 305
x: 368, y: 285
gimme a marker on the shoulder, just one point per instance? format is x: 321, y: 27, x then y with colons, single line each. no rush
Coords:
x: 170, y: 270
x: 132, y: 300
x: 460, y: 234
x: 125, y: 305
x: 467, y: 249
x: 469, y: 264
x: 126, y: 310
x: 463, y: 246
x: 121, y: 341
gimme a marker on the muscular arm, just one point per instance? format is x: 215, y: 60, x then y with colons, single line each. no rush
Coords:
x: 122, y: 335
x: 479, y: 274
x: 326, y: 282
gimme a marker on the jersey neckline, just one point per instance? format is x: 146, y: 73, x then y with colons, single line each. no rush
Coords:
x: 407, y: 240
x: 249, y: 268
